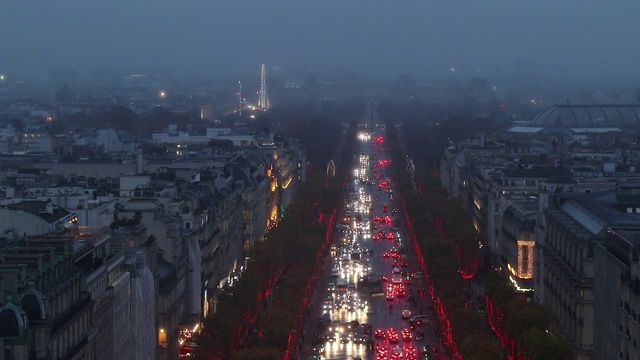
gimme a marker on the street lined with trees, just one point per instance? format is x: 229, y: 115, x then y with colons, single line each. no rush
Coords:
x: 451, y: 247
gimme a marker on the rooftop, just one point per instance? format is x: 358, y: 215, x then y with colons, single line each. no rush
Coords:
x: 39, y: 208
x: 588, y: 116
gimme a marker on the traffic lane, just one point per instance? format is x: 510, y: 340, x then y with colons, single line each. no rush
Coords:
x: 335, y: 349
x: 388, y: 315
x: 381, y: 265
x: 424, y: 303
x: 338, y: 350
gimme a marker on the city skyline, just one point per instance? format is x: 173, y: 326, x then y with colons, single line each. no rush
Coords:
x: 373, y: 40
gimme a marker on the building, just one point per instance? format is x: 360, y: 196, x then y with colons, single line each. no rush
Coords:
x: 616, y: 294
x: 517, y: 244
x: 39, y: 273
x: 35, y: 218
x: 574, y: 226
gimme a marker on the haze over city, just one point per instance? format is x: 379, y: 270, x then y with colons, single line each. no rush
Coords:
x: 315, y: 180
x: 374, y: 39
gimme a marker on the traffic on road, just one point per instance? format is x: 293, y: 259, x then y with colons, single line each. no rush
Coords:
x: 369, y: 308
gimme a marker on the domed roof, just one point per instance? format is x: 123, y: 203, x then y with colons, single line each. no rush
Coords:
x: 588, y: 116
x: 12, y: 321
x: 33, y: 304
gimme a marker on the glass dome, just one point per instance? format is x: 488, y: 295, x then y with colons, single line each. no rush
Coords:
x: 588, y: 116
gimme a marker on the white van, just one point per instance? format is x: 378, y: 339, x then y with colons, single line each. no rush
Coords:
x: 396, y: 278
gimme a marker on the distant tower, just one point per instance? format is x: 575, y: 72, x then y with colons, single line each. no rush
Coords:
x: 263, y: 101
x: 240, y: 97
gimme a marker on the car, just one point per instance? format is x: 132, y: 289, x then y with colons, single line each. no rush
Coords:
x: 319, y: 348
x: 391, y: 295
x: 406, y: 314
x: 418, y: 320
x: 331, y: 337
x: 396, y: 279
x: 360, y: 337
x: 335, y: 326
x: 379, y: 333
x: 410, y: 352
x: 407, y: 335
x: 345, y: 338
x: 392, y: 336
x: 381, y: 354
x: 397, y: 350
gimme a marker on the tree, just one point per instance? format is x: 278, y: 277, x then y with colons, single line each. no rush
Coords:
x: 257, y: 353
x: 121, y: 118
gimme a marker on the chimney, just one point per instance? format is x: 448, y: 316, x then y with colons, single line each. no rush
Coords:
x: 139, y: 162
x: 49, y: 208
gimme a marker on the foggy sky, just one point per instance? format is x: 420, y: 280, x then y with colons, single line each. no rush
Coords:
x: 376, y: 39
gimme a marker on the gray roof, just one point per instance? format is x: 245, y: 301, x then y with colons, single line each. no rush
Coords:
x: 588, y: 116
x: 593, y: 213
x: 39, y: 208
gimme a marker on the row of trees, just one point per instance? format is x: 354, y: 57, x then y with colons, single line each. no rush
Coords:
x: 281, y: 271
x: 522, y: 324
x: 318, y: 129
x: 450, y: 245
x: 123, y: 118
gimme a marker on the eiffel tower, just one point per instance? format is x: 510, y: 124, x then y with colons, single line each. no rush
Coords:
x: 263, y: 99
